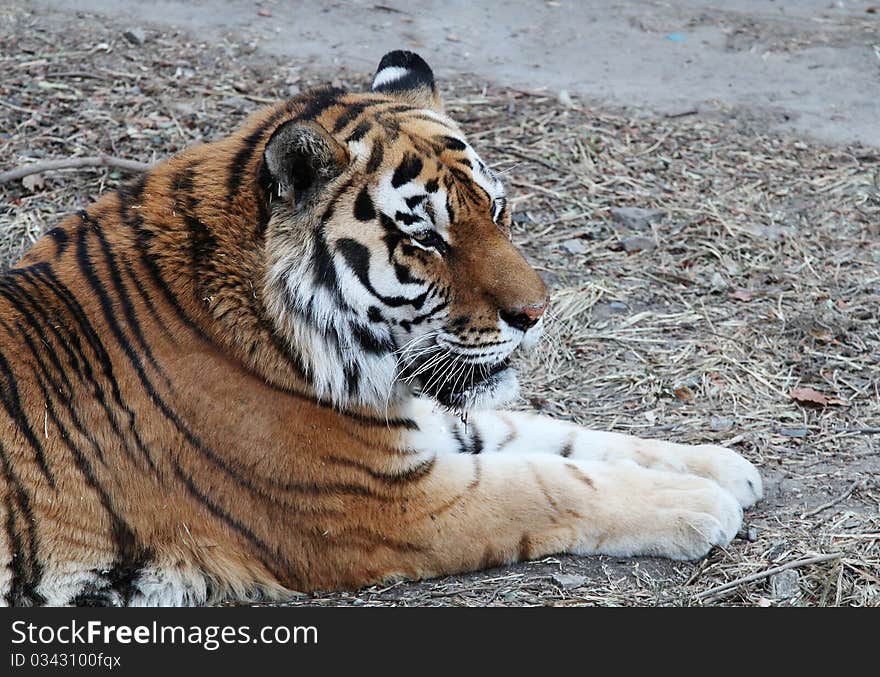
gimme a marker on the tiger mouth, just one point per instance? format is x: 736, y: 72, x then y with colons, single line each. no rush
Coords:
x: 454, y: 382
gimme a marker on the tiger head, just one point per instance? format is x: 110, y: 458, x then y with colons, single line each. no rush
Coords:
x: 390, y: 265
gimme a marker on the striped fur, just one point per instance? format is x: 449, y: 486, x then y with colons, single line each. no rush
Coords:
x: 211, y: 378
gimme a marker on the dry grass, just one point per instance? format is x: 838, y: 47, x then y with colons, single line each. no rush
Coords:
x: 762, y: 275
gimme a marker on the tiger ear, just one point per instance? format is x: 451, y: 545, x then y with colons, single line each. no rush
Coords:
x: 406, y: 76
x: 301, y: 157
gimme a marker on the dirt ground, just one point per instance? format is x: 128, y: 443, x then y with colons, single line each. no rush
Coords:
x: 739, y: 307
x: 806, y: 65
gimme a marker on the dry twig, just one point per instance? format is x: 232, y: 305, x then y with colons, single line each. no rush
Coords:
x: 73, y: 163
x: 713, y: 592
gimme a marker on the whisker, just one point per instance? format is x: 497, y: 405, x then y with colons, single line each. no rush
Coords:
x: 425, y: 366
x: 417, y: 339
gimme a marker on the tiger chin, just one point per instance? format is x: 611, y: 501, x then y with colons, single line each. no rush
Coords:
x: 242, y: 375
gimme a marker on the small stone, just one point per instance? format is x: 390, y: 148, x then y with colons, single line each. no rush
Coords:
x: 618, y: 306
x: 720, y: 425
x: 717, y: 281
x: 33, y: 182
x: 183, y: 107
x: 568, y: 581
x: 136, y: 36
x: 565, y: 99
x: 784, y: 585
x: 776, y: 549
x: 793, y: 432
x: 637, y: 244
x: 636, y: 218
x: 574, y: 246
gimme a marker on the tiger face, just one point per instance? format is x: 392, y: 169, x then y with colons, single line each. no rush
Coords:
x: 390, y: 266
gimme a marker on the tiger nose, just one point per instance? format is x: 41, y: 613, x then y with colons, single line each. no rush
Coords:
x: 525, y: 317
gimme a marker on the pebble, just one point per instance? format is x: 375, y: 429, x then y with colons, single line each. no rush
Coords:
x: 638, y: 244
x: 720, y: 425
x: 636, y: 218
x: 33, y: 182
x: 574, y: 246
x: 136, y: 36
x: 784, y: 585
x: 568, y: 581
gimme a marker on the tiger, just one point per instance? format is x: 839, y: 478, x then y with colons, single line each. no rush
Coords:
x: 277, y: 363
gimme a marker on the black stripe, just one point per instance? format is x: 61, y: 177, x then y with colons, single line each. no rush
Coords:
x: 266, y: 552
x: 357, y: 256
x: 452, y: 143
x: 406, y: 219
x: 130, y: 196
x: 87, y: 331
x: 413, y: 473
x: 352, y: 111
x: 147, y: 300
x: 371, y: 343
x: 131, y: 315
x: 24, y: 558
x: 415, y: 200
x: 476, y: 441
x: 202, y: 242
x: 359, y: 132
x: 363, y: 206
x: 11, y: 397
x: 59, y: 235
x: 241, y: 161
x: 408, y: 169
x: 131, y: 555
x: 377, y: 154
x: 418, y: 319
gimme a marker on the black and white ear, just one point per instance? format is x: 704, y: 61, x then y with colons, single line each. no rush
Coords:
x: 406, y: 76
x: 300, y: 158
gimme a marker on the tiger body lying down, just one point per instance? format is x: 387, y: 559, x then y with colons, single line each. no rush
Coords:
x: 240, y: 376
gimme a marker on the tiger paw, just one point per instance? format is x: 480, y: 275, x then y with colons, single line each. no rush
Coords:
x: 729, y: 470
x: 655, y: 512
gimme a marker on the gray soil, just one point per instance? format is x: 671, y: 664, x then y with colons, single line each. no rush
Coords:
x: 812, y: 66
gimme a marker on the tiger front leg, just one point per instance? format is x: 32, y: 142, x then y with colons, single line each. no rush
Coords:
x: 475, y: 511
x: 512, y: 432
